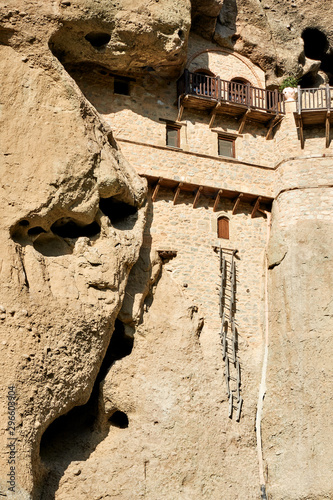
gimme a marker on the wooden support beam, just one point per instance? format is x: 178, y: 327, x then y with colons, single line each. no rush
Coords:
x: 197, y: 196
x: 271, y: 125
x: 256, y: 206
x: 217, y: 200
x: 180, y: 112
x: 243, y: 121
x: 301, y: 131
x: 213, y: 114
x: 156, y: 189
x: 328, y: 127
x: 177, y: 192
x: 237, y: 202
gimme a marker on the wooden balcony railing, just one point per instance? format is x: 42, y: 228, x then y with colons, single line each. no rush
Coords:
x: 315, y: 99
x: 314, y: 108
x: 216, y: 89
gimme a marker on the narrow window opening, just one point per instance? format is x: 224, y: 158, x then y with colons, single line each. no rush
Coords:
x: 172, y: 136
x: 226, y: 147
x: 121, y: 87
x: 223, y: 228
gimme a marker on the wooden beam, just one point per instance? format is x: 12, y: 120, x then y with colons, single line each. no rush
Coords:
x: 197, y: 196
x: 256, y: 206
x: 180, y: 113
x: 217, y: 199
x: 242, y: 123
x: 271, y: 125
x: 301, y: 132
x: 238, y: 200
x: 328, y: 126
x: 177, y: 192
x: 156, y: 189
x: 213, y: 114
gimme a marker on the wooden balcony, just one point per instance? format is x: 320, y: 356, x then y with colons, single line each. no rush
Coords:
x: 203, y: 92
x: 314, y: 108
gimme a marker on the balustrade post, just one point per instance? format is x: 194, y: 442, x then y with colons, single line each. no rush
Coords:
x: 218, y: 86
x: 328, y: 98
x: 187, y: 81
x: 299, y: 101
x: 248, y: 95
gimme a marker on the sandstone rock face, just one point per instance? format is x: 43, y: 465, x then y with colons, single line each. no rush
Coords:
x: 71, y: 229
x: 270, y: 34
x: 297, y: 419
x: 177, y: 441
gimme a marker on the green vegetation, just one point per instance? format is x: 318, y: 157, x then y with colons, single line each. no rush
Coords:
x: 290, y: 81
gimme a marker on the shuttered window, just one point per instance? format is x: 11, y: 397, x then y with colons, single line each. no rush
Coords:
x: 223, y: 228
x: 172, y: 136
x: 226, y: 147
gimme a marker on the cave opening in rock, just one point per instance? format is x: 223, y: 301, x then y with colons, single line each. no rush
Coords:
x: 34, y: 231
x: 68, y: 228
x: 119, y: 419
x: 315, y: 43
x: 98, y: 39
x: 122, y: 215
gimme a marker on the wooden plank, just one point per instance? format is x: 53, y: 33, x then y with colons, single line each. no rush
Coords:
x: 256, y: 206
x: 156, y: 189
x: 197, y: 196
x: 243, y: 121
x: 240, y: 196
x: 177, y: 192
x: 217, y: 199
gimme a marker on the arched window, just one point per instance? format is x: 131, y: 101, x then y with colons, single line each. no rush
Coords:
x: 223, y: 227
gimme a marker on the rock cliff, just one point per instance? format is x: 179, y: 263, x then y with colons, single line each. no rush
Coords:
x: 99, y: 408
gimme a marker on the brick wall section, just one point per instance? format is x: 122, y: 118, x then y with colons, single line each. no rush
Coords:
x: 214, y: 172
x: 222, y: 62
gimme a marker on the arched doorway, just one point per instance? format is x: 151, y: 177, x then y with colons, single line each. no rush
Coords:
x: 239, y: 90
x: 204, y: 83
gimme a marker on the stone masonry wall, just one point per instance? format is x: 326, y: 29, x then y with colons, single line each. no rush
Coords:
x: 192, y: 233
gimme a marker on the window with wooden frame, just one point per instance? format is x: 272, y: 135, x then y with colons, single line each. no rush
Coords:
x: 223, y: 227
x: 172, y: 135
x: 226, y: 146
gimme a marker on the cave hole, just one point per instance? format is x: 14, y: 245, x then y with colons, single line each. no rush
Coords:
x: 36, y: 230
x: 120, y: 346
x: 98, y: 39
x: 68, y: 228
x: 122, y: 215
x: 24, y: 223
x: 181, y: 34
x: 315, y: 43
x: 308, y: 80
x: 119, y: 419
x: 121, y: 86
